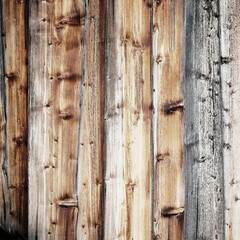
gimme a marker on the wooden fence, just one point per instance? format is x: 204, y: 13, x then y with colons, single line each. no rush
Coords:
x: 119, y: 119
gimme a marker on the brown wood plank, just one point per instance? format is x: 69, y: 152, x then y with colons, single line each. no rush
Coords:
x: 67, y: 82
x: 90, y: 184
x: 56, y: 29
x: 128, y: 203
x: 169, y: 164
x: 14, y: 84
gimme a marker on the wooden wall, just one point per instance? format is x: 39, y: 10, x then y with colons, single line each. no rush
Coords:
x: 119, y: 119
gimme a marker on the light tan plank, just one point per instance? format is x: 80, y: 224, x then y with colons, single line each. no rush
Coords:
x: 90, y: 186
x: 168, y: 103
x: 230, y: 69
x: 128, y: 121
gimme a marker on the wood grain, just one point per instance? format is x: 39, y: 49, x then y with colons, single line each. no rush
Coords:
x: 67, y: 85
x: 204, y: 217
x: 14, y: 85
x: 56, y: 31
x: 90, y: 178
x: 230, y: 52
x: 128, y: 121
x: 169, y: 164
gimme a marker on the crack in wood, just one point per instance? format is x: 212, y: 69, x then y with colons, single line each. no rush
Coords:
x: 172, y: 106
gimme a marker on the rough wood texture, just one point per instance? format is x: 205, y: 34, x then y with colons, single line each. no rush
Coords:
x: 90, y: 178
x: 169, y: 166
x: 230, y: 69
x: 203, y: 120
x: 66, y: 120
x: 13, y: 177
x: 128, y: 121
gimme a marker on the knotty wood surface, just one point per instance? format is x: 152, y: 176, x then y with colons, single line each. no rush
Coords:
x: 204, y: 218
x: 13, y: 116
x: 119, y: 119
x: 169, y: 164
x: 128, y: 177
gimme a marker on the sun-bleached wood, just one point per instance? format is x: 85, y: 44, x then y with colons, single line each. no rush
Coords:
x: 230, y: 70
x: 204, y: 206
x: 128, y: 174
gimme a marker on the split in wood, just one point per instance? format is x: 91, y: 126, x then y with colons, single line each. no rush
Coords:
x: 170, y: 211
x: 68, y: 76
x: 68, y: 203
x: 161, y: 157
x: 159, y: 59
x: 129, y: 40
x: 65, y: 115
x: 225, y: 60
x: 70, y: 20
x: 172, y: 106
x: 19, y: 140
x: 131, y: 186
x: 10, y: 76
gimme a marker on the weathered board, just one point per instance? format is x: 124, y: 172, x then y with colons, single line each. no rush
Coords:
x: 99, y: 100
x: 204, y: 217
x: 169, y: 165
x: 13, y: 117
x: 230, y: 69
x: 91, y: 147
x: 66, y: 119
x: 128, y: 173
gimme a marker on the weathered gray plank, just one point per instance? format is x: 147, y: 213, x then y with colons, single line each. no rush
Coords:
x: 203, y: 122
x: 230, y: 70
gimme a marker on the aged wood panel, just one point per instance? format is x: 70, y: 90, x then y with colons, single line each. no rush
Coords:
x: 14, y: 177
x: 67, y: 85
x: 56, y: 48
x: 169, y: 165
x: 90, y: 179
x: 203, y: 120
x: 128, y: 121
x: 230, y: 52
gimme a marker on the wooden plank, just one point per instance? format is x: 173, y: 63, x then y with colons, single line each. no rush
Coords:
x: 14, y: 177
x: 169, y: 164
x: 67, y: 82
x: 203, y: 122
x: 90, y: 185
x: 230, y: 52
x: 56, y: 31
x: 128, y: 203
